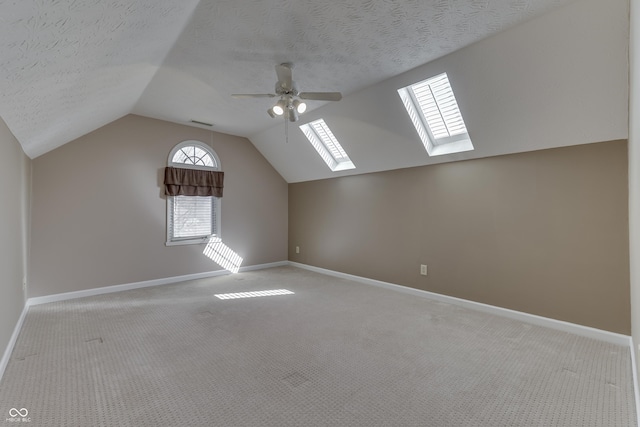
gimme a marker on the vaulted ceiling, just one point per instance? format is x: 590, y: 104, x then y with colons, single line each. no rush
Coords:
x: 68, y: 67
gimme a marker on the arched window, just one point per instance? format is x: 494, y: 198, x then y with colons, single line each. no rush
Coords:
x: 192, y: 219
x: 194, y: 154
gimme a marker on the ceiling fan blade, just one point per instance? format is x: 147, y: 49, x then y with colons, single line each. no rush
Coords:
x: 284, y: 75
x: 253, y: 95
x: 321, y: 96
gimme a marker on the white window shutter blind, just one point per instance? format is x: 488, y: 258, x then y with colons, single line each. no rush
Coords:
x: 192, y: 217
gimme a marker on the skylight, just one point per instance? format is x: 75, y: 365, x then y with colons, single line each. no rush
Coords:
x: 434, y: 112
x: 322, y: 139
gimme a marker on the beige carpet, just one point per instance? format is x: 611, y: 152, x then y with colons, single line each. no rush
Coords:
x: 333, y: 353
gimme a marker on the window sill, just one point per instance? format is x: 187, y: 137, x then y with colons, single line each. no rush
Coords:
x: 197, y: 241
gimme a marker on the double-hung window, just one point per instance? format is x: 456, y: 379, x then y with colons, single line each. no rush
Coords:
x: 193, y: 219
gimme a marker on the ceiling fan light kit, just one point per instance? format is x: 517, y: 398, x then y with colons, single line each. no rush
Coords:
x: 299, y: 106
x: 280, y: 106
x: 292, y: 107
x: 293, y: 115
x: 290, y: 99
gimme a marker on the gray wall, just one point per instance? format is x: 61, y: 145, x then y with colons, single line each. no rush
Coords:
x: 14, y: 221
x: 99, y: 214
x: 544, y: 232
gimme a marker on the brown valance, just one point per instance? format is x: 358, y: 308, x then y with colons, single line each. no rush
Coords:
x: 192, y: 182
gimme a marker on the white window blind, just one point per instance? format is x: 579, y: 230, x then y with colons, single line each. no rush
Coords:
x: 439, y: 106
x: 327, y: 145
x: 434, y: 111
x: 191, y: 217
x: 330, y: 141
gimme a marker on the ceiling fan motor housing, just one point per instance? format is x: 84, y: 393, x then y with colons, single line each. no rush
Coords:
x: 282, y: 89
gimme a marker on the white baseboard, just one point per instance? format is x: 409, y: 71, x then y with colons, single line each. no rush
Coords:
x: 136, y: 285
x: 585, y: 331
x: 634, y: 369
x: 263, y: 266
x: 12, y: 341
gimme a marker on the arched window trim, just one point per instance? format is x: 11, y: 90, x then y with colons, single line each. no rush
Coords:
x: 216, y: 202
x: 191, y: 143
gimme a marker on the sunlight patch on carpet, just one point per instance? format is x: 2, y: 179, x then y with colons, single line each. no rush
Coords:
x: 254, y: 294
x: 222, y: 255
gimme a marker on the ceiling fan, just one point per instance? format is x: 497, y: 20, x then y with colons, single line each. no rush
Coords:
x: 290, y: 101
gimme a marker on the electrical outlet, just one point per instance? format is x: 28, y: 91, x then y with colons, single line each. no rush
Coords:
x: 297, y: 249
x: 423, y: 269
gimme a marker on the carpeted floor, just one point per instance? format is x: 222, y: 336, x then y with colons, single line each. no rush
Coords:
x: 332, y: 353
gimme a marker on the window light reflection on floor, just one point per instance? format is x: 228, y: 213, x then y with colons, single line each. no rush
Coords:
x: 254, y: 294
x: 222, y: 255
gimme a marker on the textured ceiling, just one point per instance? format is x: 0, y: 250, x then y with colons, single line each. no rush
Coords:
x: 68, y: 67
x: 232, y: 46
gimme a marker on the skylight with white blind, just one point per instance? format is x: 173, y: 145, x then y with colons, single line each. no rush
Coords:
x: 326, y: 144
x: 434, y: 112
